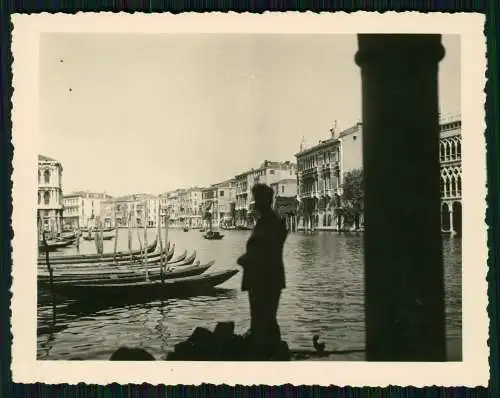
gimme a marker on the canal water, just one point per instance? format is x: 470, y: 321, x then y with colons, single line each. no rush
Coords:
x: 324, y: 296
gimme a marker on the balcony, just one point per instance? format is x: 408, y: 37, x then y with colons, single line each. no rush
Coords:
x: 310, y: 194
x: 309, y: 170
x: 50, y: 206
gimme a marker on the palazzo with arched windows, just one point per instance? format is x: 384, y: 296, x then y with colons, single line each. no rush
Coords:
x: 50, y: 195
x: 450, y: 153
x: 320, y: 177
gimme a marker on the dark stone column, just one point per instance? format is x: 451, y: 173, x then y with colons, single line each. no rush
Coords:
x: 404, y: 286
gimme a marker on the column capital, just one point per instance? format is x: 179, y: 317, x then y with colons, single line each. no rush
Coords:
x: 389, y: 48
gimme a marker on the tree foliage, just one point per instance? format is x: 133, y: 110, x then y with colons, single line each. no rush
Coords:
x: 353, y: 192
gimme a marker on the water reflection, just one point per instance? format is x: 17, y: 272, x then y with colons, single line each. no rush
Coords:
x: 324, y: 296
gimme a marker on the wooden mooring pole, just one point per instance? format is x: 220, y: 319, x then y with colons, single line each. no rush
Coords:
x: 146, y: 239
x: 158, y: 235
x: 404, y: 283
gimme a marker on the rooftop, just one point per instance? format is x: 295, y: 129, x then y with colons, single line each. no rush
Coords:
x: 284, y: 180
x: 331, y: 140
x: 226, y: 183
x: 87, y: 194
x: 269, y: 164
x: 44, y: 158
x: 134, y: 197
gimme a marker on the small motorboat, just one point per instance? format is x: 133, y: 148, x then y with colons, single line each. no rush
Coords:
x: 91, y: 237
x: 213, y: 235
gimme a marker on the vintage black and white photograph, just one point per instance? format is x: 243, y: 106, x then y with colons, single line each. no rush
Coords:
x: 251, y: 197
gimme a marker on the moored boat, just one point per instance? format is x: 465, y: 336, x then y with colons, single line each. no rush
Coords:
x: 157, y: 289
x: 101, y: 269
x: 124, y: 253
x: 91, y: 237
x: 67, y: 236
x: 125, y: 275
x: 53, y: 245
x: 110, y: 263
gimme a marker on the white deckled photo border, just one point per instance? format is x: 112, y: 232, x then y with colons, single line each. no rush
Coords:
x: 472, y: 371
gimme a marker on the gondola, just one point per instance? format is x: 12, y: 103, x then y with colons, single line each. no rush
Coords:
x: 157, y: 289
x: 112, y: 268
x: 53, y: 245
x: 106, y: 262
x: 126, y: 275
x: 60, y: 260
x: 123, y: 253
x: 67, y: 236
x: 119, y: 272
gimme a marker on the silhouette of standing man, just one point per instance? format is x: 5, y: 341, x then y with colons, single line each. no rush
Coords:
x: 264, y: 273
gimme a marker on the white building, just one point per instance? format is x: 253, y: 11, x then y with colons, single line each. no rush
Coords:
x: 219, y: 201
x: 267, y: 173
x: 82, y: 209
x: 321, y: 171
x: 50, y: 196
x: 192, y: 201
x: 141, y: 209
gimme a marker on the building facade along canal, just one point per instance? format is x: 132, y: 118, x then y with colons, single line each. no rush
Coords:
x: 268, y: 173
x: 81, y: 209
x: 322, y: 168
x: 450, y: 155
x: 50, y: 195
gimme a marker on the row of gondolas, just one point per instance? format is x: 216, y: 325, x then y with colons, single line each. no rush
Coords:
x: 153, y: 273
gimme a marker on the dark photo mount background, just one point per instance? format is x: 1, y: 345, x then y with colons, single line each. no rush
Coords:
x: 492, y: 11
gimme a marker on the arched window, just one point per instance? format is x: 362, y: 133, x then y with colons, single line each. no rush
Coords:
x: 441, y: 151
x: 448, y: 151
x: 447, y: 187
x: 46, y: 176
x: 46, y: 197
x: 39, y: 176
x: 442, y: 187
x: 39, y: 195
x: 453, y: 187
x: 459, y: 185
x: 329, y: 220
x: 453, y: 149
x: 459, y: 150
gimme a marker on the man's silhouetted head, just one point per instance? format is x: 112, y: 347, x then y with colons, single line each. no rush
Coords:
x: 263, y: 196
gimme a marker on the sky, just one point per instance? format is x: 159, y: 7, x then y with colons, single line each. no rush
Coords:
x: 144, y: 113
